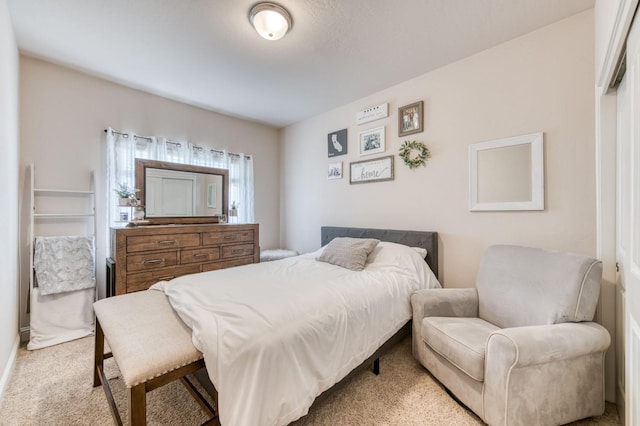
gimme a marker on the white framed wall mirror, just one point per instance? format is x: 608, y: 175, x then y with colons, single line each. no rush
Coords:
x: 507, y: 174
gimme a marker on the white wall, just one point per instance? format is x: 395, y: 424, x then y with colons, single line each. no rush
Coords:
x: 542, y: 81
x: 9, y: 179
x: 63, y: 117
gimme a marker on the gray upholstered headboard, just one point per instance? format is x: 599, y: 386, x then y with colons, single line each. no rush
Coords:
x: 427, y: 240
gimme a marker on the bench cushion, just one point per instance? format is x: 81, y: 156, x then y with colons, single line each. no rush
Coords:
x: 146, y: 336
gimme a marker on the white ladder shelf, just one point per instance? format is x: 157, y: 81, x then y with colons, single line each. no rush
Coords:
x: 60, y: 317
x: 38, y: 216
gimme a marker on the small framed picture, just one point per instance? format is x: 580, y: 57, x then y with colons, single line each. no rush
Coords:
x: 335, y: 171
x: 337, y: 143
x: 372, y: 141
x: 410, y: 119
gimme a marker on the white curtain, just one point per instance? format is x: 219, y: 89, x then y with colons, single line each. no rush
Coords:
x: 123, y: 149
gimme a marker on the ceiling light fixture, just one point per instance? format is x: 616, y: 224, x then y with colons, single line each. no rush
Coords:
x: 270, y: 20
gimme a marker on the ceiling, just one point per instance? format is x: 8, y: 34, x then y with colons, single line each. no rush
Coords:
x: 205, y: 52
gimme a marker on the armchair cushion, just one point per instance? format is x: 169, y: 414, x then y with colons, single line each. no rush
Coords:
x: 462, y: 341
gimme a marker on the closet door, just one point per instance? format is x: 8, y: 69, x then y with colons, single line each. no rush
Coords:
x: 628, y: 225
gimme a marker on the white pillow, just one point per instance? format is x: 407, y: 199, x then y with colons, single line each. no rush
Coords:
x: 421, y: 251
x: 391, y: 256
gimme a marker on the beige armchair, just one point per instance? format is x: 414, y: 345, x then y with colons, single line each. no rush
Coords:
x: 520, y: 348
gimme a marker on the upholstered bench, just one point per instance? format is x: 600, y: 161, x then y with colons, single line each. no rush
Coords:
x: 151, y: 346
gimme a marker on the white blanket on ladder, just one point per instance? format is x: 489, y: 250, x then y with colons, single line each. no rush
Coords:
x: 62, y: 304
x: 64, y: 264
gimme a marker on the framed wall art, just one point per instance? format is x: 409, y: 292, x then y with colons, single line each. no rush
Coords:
x: 335, y: 170
x: 410, y: 119
x: 507, y: 174
x: 375, y: 170
x: 372, y: 141
x: 337, y: 143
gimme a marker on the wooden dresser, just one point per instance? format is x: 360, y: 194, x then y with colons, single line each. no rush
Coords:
x: 148, y: 254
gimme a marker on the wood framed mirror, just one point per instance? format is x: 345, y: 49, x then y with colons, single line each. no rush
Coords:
x: 507, y: 174
x: 181, y: 193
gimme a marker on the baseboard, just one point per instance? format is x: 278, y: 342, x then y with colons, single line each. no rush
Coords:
x: 24, y: 334
x: 8, y: 369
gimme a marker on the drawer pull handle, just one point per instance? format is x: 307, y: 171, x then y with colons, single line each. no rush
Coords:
x: 237, y: 251
x: 166, y: 242
x: 151, y: 261
x: 229, y: 237
x: 169, y: 278
x: 201, y: 255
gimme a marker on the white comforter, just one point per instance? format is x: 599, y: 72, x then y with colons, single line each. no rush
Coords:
x: 275, y: 335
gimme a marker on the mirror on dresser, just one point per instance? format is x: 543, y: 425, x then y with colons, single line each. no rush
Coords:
x: 173, y: 193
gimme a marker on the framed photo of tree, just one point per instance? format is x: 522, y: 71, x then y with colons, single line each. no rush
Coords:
x: 372, y: 141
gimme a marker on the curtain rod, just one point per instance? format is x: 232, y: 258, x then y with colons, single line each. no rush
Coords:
x: 126, y: 135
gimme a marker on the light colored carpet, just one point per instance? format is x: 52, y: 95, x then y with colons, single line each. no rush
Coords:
x: 53, y: 386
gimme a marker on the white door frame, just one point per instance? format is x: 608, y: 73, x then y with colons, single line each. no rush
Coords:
x: 606, y: 122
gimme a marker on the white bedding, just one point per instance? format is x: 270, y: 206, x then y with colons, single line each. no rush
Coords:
x: 275, y: 335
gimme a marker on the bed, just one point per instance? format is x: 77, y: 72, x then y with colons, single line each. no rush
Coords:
x: 277, y: 335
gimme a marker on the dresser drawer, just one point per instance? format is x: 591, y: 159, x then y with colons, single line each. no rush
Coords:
x: 159, y: 242
x: 155, y: 260
x: 199, y: 255
x: 226, y: 264
x: 214, y: 238
x: 144, y: 280
x: 237, y: 251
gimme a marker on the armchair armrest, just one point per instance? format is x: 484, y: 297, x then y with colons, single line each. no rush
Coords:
x: 445, y: 302
x: 546, y: 343
x: 529, y: 366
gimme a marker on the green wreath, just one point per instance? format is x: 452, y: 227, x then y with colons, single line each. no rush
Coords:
x: 414, y: 160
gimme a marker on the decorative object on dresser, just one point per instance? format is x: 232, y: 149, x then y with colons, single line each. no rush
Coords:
x: 125, y: 194
x: 146, y: 255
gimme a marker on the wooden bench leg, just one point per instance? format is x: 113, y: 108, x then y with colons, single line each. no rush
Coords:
x: 138, y: 405
x: 200, y: 399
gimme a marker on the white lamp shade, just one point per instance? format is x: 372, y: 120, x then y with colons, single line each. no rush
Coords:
x: 271, y: 21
